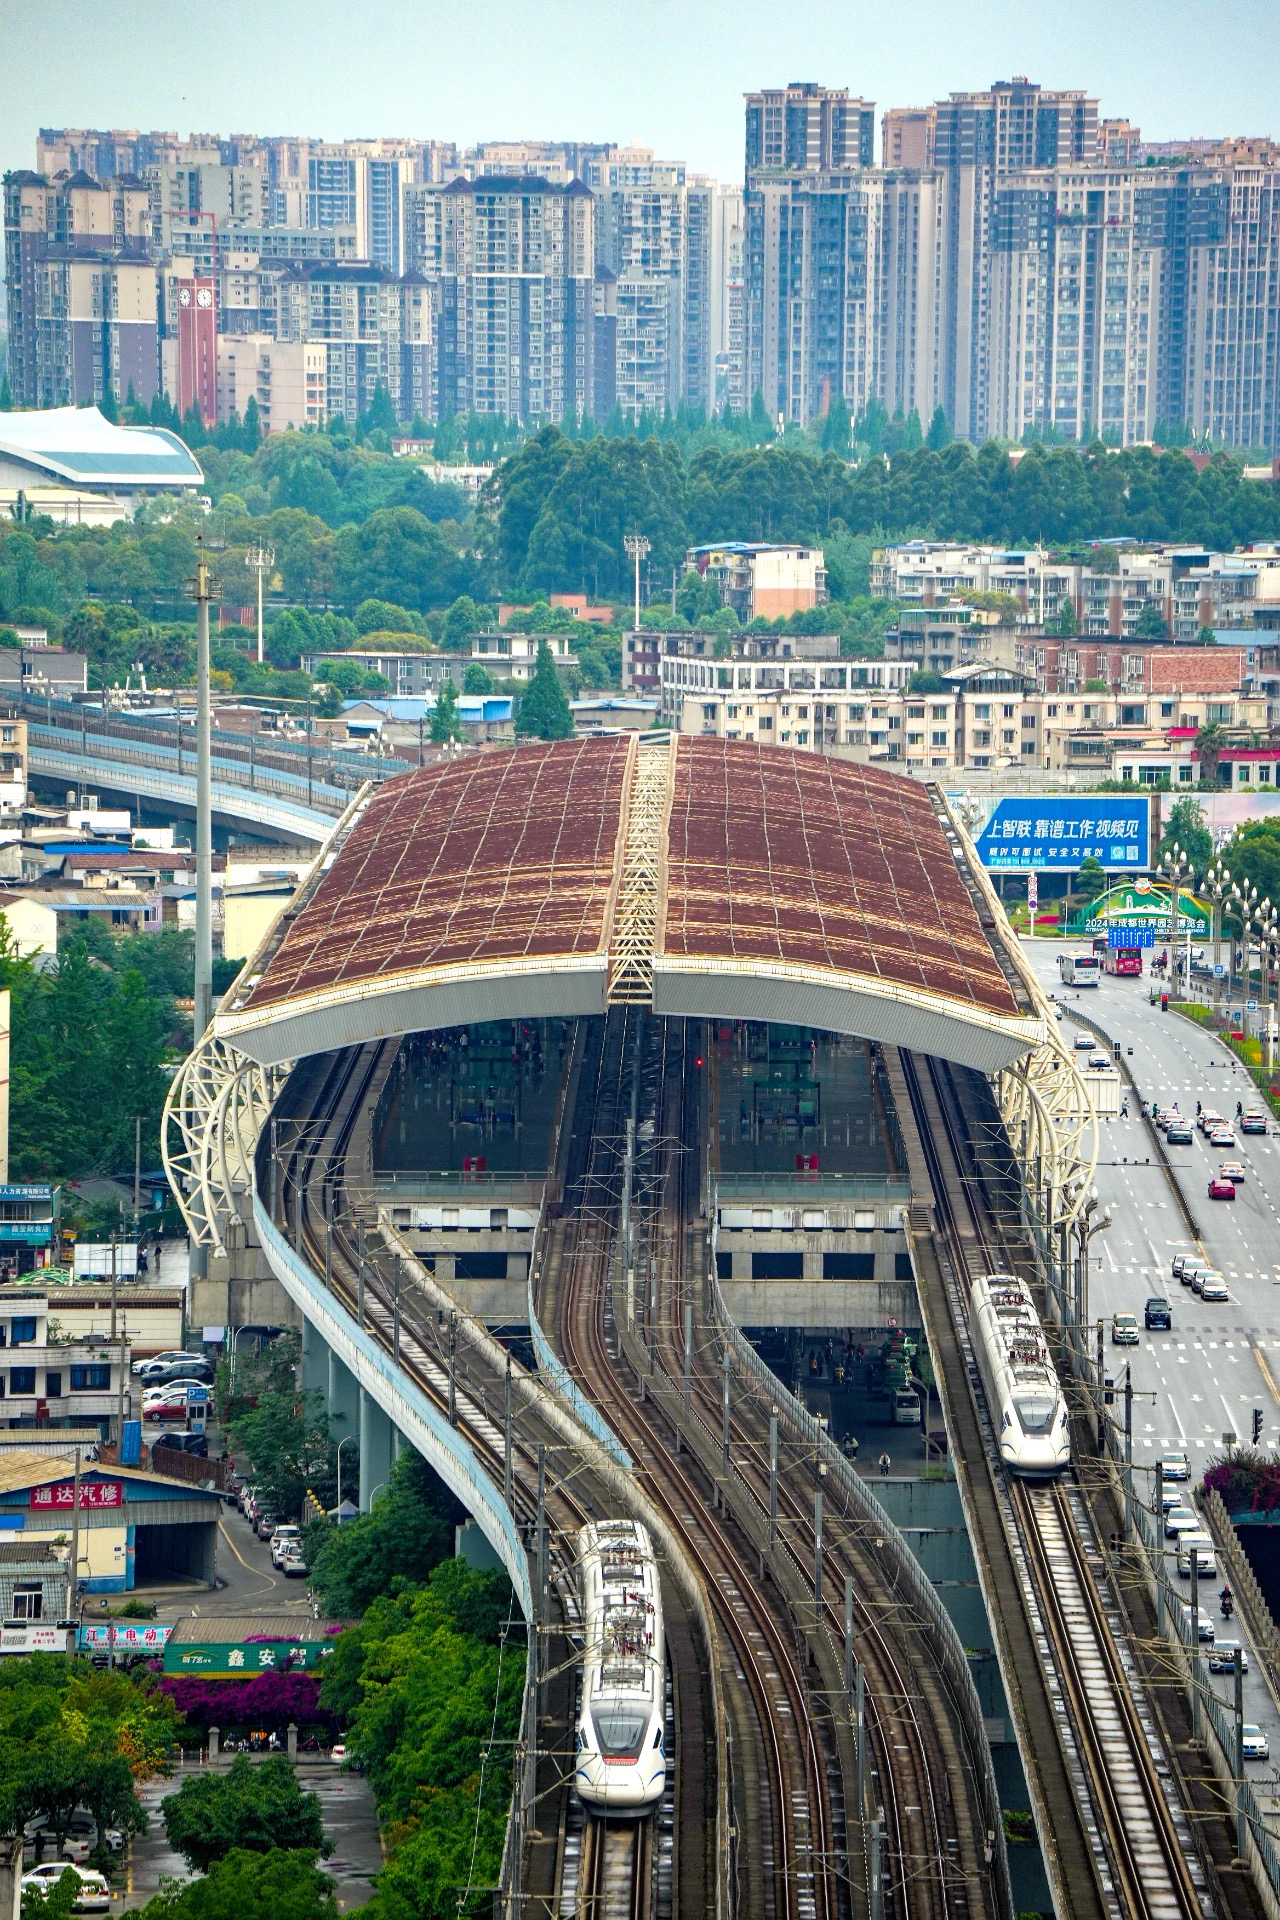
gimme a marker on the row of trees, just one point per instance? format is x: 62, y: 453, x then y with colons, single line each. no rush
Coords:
x: 90, y: 1035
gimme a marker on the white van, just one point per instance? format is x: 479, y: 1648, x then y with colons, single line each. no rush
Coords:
x: 1202, y: 1546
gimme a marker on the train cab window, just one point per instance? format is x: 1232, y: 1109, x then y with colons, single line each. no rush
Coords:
x: 1036, y: 1412
x: 620, y: 1730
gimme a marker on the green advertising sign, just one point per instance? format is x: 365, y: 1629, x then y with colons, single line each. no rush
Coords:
x: 220, y: 1660
x: 1144, y: 903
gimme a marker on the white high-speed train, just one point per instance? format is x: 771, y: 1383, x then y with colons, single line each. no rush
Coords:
x: 1023, y: 1395
x: 621, y: 1766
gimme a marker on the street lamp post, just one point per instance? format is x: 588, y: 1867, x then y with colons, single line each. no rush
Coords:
x: 1087, y: 1227
x: 1175, y: 867
x: 1217, y: 886
x: 1244, y: 900
x: 636, y: 548
x: 203, y: 589
x: 341, y: 1444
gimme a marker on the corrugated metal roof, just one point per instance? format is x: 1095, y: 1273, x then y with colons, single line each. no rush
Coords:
x: 231, y: 1628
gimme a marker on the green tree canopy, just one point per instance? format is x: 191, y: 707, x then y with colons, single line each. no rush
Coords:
x: 925, y: 680
x: 254, y: 1806
x: 1253, y: 855
x: 544, y: 708
x: 1151, y: 623
x: 445, y: 724
x: 406, y: 1534
x: 1186, y: 827
x: 1091, y: 880
x: 285, y: 1884
x: 477, y: 679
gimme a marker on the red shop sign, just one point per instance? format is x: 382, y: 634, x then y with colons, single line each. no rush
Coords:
x: 60, y: 1495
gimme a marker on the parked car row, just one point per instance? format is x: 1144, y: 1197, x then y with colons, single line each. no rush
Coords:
x: 285, y: 1536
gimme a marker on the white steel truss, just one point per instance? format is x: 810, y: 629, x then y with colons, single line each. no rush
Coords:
x: 635, y: 919
x: 215, y: 1110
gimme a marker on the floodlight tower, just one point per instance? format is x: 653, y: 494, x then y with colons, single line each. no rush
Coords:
x: 262, y: 560
x: 637, y: 547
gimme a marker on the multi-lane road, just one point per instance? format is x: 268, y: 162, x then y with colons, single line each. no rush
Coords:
x: 1202, y: 1381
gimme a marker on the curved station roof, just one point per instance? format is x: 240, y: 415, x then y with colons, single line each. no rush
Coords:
x: 77, y: 446
x: 702, y: 877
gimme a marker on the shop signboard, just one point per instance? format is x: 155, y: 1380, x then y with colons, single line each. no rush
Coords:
x: 61, y: 1494
x: 124, y: 1636
x: 221, y: 1660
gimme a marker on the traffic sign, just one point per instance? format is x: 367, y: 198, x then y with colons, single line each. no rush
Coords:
x: 1218, y: 971
x: 1251, y: 1006
x: 197, y: 1396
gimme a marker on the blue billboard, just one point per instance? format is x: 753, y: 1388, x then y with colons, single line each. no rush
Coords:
x: 1057, y: 835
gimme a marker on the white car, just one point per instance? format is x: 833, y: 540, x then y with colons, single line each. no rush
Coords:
x: 338, y: 1754
x: 1255, y: 1744
x: 1084, y: 1041
x: 1174, y: 1466
x: 1180, y: 1520
x: 282, y: 1539
x: 94, y: 1895
x: 1214, y: 1288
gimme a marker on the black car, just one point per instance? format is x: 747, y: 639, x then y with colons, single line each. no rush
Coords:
x: 195, y: 1443
x: 1159, y: 1313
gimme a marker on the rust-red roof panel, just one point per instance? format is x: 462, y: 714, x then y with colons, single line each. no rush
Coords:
x: 495, y: 856
x: 793, y: 857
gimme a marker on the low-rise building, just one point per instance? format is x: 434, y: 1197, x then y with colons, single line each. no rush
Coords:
x: 514, y: 656
x: 48, y: 1379
x: 35, y: 1583
x: 410, y: 673
x: 762, y: 578
x: 288, y: 379
x: 131, y: 1527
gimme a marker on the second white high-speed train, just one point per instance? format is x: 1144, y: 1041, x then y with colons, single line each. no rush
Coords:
x: 621, y: 1764
x: 1025, y: 1400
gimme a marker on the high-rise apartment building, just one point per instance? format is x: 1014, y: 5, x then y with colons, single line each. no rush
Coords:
x: 81, y: 290
x: 515, y: 298
x: 376, y: 328
x: 805, y: 128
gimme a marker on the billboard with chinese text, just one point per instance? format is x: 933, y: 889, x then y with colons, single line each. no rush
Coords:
x: 1058, y: 835
x: 221, y: 1660
x: 60, y: 1495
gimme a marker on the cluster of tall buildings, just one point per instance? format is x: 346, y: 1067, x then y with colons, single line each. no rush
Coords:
x: 1012, y: 258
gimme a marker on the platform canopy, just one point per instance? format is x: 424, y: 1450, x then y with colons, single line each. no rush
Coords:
x: 701, y: 877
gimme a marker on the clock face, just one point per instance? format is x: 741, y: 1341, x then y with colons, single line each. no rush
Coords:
x: 184, y: 296
x: 204, y: 298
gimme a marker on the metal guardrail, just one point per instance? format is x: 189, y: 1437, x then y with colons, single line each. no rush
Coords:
x: 800, y: 1189
x: 435, y: 1185
x: 550, y: 1363
x: 909, y: 1579
x: 1172, y: 1607
x: 279, y: 768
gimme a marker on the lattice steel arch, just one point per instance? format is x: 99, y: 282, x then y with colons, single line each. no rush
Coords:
x: 214, y: 1112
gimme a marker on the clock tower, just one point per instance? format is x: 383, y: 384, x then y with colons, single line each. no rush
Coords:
x: 195, y: 322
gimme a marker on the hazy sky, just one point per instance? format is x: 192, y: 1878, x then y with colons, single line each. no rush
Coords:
x: 666, y: 75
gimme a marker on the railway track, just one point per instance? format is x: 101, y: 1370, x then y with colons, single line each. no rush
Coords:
x: 788, y: 1871
x: 615, y: 1870
x: 1140, y: 1842
x: 332, y: 1099
x: 931, y: 1867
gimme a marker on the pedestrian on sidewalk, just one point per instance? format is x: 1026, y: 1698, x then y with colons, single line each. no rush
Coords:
x: 885, y: 1464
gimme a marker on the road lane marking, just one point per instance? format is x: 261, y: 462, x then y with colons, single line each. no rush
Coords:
x: 1267, y: 1375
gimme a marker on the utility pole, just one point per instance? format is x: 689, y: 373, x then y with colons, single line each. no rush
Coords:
x: 203, y: 589
x: 113, y: 1286
x: 137, y: 1169
x: 773, y: 1478
x: 73, y: 1610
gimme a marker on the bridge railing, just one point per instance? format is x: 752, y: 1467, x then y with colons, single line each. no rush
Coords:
x: 280, y: 767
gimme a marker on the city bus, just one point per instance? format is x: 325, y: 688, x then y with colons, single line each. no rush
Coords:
x: 1123, y: 960
x: 1080, y: 969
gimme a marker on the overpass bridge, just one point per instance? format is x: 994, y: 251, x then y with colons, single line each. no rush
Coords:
x: 290, y: 789
x: 641, y: 893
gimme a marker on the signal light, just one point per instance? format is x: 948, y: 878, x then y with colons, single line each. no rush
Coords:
x: 1257, y: 1425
